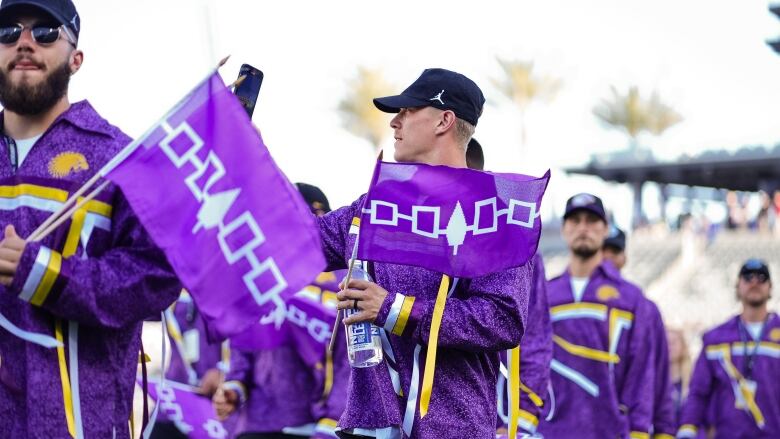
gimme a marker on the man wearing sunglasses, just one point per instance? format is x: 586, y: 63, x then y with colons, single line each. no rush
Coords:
x: 738, y: 368
x: 88, y: 285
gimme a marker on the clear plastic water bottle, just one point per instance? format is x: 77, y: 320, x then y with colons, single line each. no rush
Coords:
x: 364, y: 345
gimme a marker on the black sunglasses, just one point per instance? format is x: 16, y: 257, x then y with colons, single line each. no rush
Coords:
x: 760, y: 277
x: 41, y: 34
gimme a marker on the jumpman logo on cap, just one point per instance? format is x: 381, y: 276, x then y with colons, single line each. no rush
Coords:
x: 438, y: 97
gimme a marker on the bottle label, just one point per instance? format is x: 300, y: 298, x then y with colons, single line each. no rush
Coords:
x: 360, y: 334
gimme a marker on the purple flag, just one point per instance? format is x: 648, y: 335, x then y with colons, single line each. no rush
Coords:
x: 307, y: 322
x: 460, y: 222
x: 237, y: 233
x: 189, y: 411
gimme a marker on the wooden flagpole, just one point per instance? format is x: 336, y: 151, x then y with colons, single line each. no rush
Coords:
x: 352, y: 259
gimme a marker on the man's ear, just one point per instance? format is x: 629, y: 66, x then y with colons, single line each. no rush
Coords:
x: 447, y: 121
x: 75, y: 61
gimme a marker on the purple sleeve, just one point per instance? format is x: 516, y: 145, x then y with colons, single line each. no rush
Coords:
x: 637, y: 390
x: 129, y: 282
x: 536, y: 348
x: 490, y: 316
x: 239, y: 375
x: 695, y: 407
x: 664, y: 421
x: 334, y: 230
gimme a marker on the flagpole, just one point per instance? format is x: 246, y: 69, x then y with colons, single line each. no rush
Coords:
x: 348, y: 278
x: 118, y: 158
x: 64, y: 217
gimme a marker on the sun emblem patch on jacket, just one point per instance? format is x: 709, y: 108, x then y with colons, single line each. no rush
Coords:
x: 67, y: 163
x: 607, y: 292
x: 774, y: 335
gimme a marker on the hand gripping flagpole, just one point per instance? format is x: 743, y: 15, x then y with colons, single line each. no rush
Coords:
x: 352, y: 258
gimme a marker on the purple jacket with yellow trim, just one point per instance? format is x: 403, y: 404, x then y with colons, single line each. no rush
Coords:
x: 715, y: 398
x: 482, y: 317
x: 535, y: 355
x: 602, y: 368
x: 96, y: 278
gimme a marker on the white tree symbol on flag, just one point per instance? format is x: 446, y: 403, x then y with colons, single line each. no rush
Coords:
x: 214, y: 209
x: 456, y: 228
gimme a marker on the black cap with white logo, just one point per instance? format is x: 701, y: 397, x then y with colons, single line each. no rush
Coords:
x: 442, y: 89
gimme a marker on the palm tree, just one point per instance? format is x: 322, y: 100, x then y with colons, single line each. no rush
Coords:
x: 634, y: 114
x: 523, y: 87
x: 358, y: 113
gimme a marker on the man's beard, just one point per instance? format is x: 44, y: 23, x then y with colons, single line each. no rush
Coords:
x: 26, y: 99
x: 756, y: 303
x: 584, y: 252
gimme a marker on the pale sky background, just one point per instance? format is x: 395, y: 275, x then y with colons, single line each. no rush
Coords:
x: 708, y: 59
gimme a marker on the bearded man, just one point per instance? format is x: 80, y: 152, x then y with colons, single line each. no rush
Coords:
x: 86, y: 287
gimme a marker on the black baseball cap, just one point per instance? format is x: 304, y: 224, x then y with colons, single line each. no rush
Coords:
x: 616, y: 239
x: 475, y: 157
x: 587, y: 202
x: 314, y: 197
x: 754, y: 265
x: 442, y: 89
x: 64, y: 11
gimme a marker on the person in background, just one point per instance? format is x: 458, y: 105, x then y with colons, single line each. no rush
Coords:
x: 664, y: 422
x: 475, y: 157
x: 276, y: 393
x: 680, y: 368
x: 315, y: 198
x: 535, y: 347
x: 194, y: 361
x: 603, y: 359
x: 680, y: 372
x: 614, y: 248
x: 734, y: 388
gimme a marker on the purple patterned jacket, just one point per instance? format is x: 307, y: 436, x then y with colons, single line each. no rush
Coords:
x: 726, y: 393
x: 535, y: 356
x: 91, y: 282
x: 482, y: 317
x: 603, y: 371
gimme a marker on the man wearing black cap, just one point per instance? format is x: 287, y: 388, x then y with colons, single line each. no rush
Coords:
x: 735, y: 387
x: 436, y: 118
x: 475, y: 157
x: 615, y: 247
x: 664, y: 422
x: 602, y: 378
x: 315, y: 198
x: 72, y: 304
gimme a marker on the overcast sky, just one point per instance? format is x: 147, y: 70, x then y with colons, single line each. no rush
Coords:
x: 707, y: 59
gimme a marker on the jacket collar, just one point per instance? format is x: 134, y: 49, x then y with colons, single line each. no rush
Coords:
x: 81, y: 115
